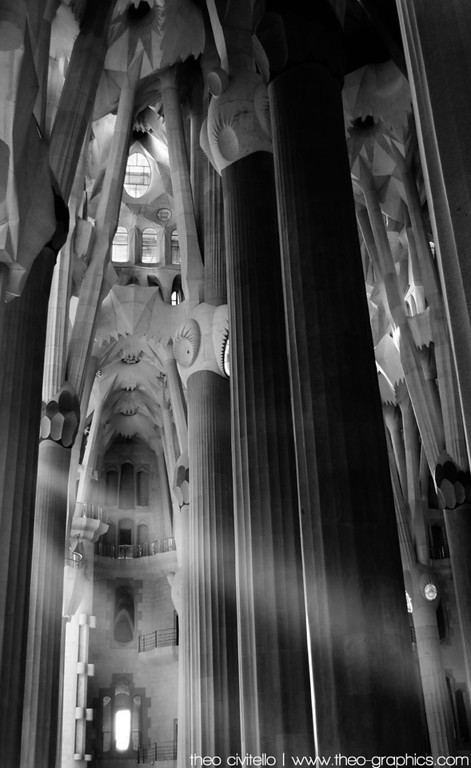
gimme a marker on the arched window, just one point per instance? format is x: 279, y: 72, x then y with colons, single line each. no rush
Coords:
x: 126, y: 486
x: 122, y: 715
x: 149, y: 246
x: 120, y: 247
x: 122, y: 706
x: 142, y: 533
x: 125, y: 532
x: 111, y: 487
x: 123, y: 630
x: 176, y: 297
x: 110, y: 535
x: 175, y: 247
x: 142, y: 488
x: 138, y: 175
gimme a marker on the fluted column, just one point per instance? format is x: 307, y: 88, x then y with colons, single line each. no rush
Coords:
x: 22, y: 336
x: 215, y: 280
x: 58, y: 428
x: 272, y: 631
x: 360, y: 644
x: 212, y: 566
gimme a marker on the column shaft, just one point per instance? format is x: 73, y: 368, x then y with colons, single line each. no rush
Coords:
x: 215, y: 279
x: 24, y: 321
x: 360, y: 642
x: 458, y: 531
x: 275, y: 693
x: 42, y: 694
x: 78, y: 94
x: 212, y: 599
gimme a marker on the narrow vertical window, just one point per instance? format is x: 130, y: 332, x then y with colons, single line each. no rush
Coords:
x: 126, y: 487
x: 111, y: 487
x: 124, y: 615
x: 149, y: 246
x: 176, y: 297
x: 120, y: 247
x: 175, y: 248
x: 142, y: 488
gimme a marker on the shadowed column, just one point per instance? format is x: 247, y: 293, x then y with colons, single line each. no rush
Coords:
x: 58, y: 428
x: 24, y: 320
x: 274, y: 677
x: 359, y: 636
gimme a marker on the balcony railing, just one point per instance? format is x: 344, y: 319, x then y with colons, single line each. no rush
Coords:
x: 133, y: 551
x: 163, y: 750
x: 158, y: 639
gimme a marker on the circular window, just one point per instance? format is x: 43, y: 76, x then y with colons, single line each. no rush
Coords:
x: 430, y: 591
x: 137, y: 178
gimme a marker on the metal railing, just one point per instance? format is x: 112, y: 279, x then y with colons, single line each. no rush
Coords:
x: 158, y: 639
x: 133, y: 551
x: 158, y: 751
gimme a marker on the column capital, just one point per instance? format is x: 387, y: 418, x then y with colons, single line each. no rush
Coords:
x: 200, y: 342
x: 61, y: 417
x: 453, y: 485
x: 238, y: 122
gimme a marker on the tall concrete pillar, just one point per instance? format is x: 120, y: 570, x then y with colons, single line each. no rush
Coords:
x: 274, y: 677
x: 212, y: 597
x: 42, y: 696
x: 22, y: 337
x: 360, y: 649
x: 213, y: 686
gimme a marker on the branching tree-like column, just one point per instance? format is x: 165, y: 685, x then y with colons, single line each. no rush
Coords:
x: 359, y: 636
x: 208, y: 623
x: 444, y: 143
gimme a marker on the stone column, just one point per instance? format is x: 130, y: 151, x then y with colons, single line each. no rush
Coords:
x: 212, y: 566
x: 272, y: 632
x: 361, y: 656
x: 177, y: 399
x: 274, y: 684
x: 212, y: 672
x: 438, y: 64
x: 42, y: 696
x: 453, y: 493
x: 81, y: 341
x: 22, y: 337
x: 215, y: 280
x: 191, y: 262
x: 78, y: 94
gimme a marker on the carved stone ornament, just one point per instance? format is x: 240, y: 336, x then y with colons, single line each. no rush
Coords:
x: 238, y: 122
x: 221, y: 336
x: 61, y: 417
x: 187, y: 343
